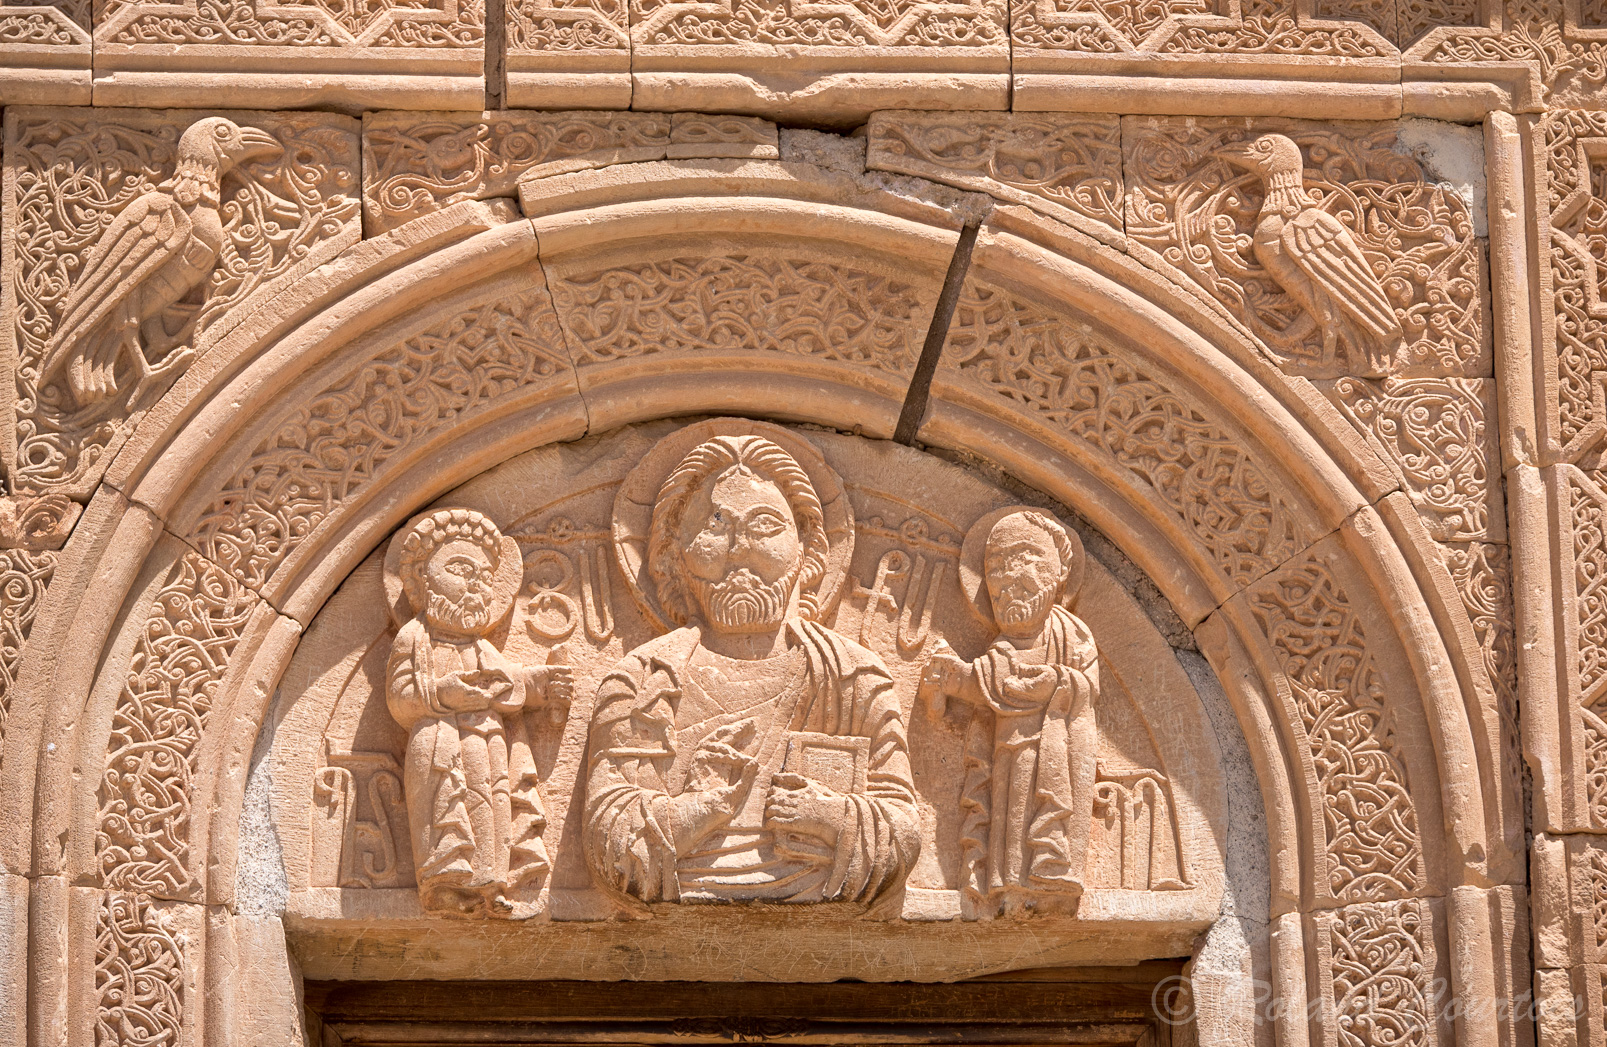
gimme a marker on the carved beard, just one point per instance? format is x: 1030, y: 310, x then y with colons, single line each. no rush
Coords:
x: 1024, y: 609
x: 469, y: 615
x: 742, y: 600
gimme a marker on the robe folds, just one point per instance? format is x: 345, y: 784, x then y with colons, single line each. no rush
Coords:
x: 468, y: 775
x: 664, y: 698
x: 1030, y: 767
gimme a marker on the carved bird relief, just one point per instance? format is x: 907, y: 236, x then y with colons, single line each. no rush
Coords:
x: 129, y: 302
x: 1315, y: 259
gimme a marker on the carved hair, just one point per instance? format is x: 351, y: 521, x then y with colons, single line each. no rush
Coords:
x: 706, y: 463
x: 436, y: 530
x: 1065, y: 547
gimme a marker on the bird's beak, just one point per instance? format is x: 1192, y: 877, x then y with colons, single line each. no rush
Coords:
x: 255, y: 143
x: 1238, y: 155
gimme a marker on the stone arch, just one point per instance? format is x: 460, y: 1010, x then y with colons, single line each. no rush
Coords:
x: 1343, y: 553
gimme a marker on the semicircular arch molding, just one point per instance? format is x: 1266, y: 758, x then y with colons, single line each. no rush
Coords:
x: 288, y: 455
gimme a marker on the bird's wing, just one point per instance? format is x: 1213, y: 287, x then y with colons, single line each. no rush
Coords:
x: 1326, y: 252
x: 147, y: 233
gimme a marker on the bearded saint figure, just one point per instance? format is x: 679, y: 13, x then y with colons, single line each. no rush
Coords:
x: 468, y: 775
x: 1031, y: 748
x: 751, y: 754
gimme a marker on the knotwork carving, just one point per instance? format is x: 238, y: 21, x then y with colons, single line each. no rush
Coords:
x: 417, y: 163
x: 133, y: 248
x: 1063, y: 164
x: 568, y: 26
x: 1194, y: 27
x: 1382, y: 968
x: 1372, y: 844
x: 1575, y: 148
x: 897, y: 23
x: 142, y: 842
x: 1342, y: 261
x: 344, y: 436
x: 24, y: 578
x: 324, y: 23
x: 1402, y: 22
x: 800, y: 306
x: 139, y: 974
x: 1195, y: 467
x: 1588, y: 508
x: 1483, y: 576
x: 1433, y: 430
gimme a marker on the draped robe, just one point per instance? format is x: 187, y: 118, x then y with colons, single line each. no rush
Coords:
x: 661, y: 701
x: 1029, y: 785
x: 468, y: 775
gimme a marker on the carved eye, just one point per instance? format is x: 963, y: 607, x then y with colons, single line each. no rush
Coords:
x: 221, y: 132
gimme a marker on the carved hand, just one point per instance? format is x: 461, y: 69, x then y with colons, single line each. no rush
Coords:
x: 471, y: 690
x: 555, y: 683
x: 802, y: 806
x: 1034, y: 682
x: 717, y: 784
x: 944, y: 677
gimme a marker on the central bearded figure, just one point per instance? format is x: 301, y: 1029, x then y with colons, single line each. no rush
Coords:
x: 752, y: 754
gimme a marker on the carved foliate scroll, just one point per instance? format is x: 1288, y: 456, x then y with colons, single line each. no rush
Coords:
x: 797, y: 305
x: 1195, y: 466
x: 416, y: 163
x: 1437, y: 433
x: 1067, y: 165
x: 142, y: 842
x: 139, y: 973
x: 1372, y: 844
x: 176, y: 231
x: 344, y: 436
x: 24, y: 578
x: 911, y: 24
x: 1332, y: 249
x: 1382, y: 967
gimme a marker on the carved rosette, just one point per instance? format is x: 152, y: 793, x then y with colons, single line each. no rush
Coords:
x: 1193, y: 214
x: 282, y: 216
x: 195, y: 620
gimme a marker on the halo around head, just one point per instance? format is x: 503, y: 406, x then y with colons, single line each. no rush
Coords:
x: 633, y: 508
x: 973, y: 579
x: 509, y: 577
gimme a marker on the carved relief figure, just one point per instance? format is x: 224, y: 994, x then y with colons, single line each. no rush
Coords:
x: 1316, y: 260
x: 1028, y: 793
x: 469, y: 777
x: 752, y: 754
x: 131, y: 301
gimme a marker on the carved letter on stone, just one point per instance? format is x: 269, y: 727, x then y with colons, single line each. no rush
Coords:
x: 753, y: 754
x: 1028, y: 795
x: 468, y: 775
x: 127, y: 322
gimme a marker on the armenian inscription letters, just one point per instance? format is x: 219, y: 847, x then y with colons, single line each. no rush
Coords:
x: 733, y: 662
